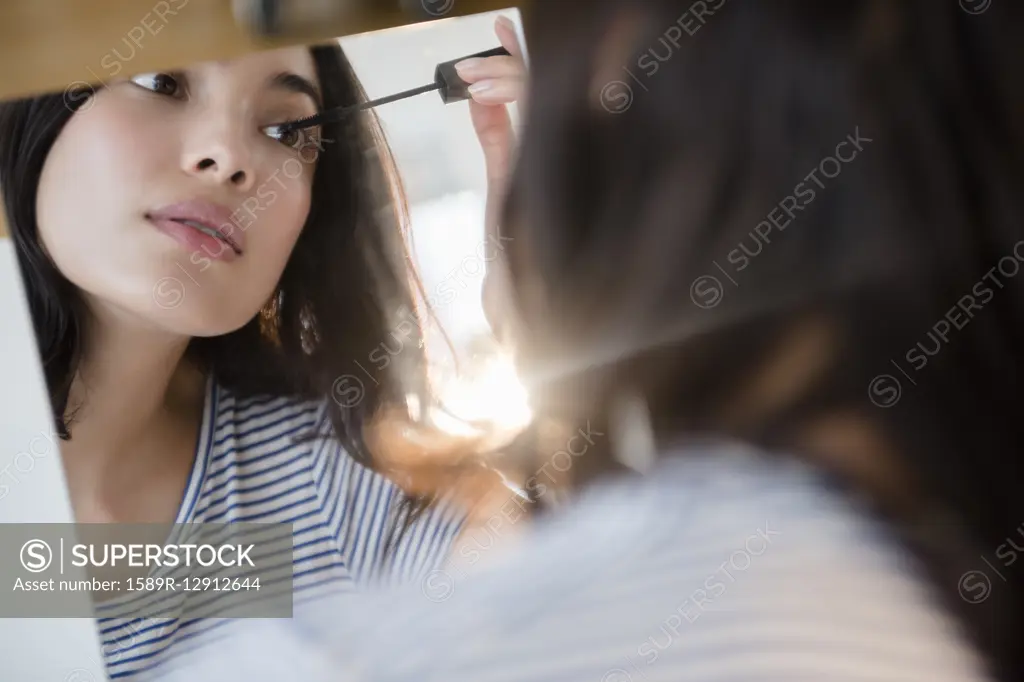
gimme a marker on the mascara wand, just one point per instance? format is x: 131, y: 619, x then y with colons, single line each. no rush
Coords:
x: 446, y: 81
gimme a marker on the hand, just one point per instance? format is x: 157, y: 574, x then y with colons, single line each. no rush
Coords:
x: 495, y: 82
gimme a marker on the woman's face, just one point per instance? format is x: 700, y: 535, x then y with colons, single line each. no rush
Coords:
x: 173, y: 198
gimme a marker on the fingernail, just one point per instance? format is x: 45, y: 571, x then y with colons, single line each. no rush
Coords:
x: 506, y: 22
x: 468, y: 66
x: 481, y: 87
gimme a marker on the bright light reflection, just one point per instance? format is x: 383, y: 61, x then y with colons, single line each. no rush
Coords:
x: 491, y: 399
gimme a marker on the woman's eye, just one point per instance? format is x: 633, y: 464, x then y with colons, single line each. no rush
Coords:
x: 160, y: 83
x: 290, y: 138
x: 294, y: 138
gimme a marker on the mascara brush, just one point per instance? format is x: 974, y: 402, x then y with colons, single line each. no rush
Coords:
x: 446, y: 81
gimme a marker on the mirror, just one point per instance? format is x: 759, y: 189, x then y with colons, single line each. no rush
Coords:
x: 209, y: 283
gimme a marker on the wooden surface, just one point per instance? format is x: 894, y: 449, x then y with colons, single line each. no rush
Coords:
x: 47, y: 45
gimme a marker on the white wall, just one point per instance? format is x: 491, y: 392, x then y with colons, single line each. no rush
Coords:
x: 32, y: 490
x: 437, y: 152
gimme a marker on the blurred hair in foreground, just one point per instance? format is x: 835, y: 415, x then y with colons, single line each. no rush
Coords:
x: 796, y: 224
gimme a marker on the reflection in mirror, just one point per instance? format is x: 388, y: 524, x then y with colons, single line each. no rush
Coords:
x: 238, y: 316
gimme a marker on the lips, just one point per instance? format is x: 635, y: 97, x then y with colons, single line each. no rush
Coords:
x: 201, y: 225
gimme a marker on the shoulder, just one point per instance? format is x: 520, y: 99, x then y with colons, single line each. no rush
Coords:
x: 253, y: 456
x: 722, y: 565
x: 251, y: 443
x: 363, y: 510
x: 275, y: 435
x: 726, y: 563
x: 247, y: 431
x: 248, y: 420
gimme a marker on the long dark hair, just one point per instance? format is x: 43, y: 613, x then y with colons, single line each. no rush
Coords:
x: 668, y: 239
x: 347, y: 288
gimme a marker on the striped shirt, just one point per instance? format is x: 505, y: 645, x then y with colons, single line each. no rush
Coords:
x: 250, y: 468
x: 718, y: 567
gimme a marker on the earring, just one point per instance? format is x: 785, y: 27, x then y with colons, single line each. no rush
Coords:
x: 269, y: 319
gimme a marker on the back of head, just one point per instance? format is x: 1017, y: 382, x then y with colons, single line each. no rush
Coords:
x: 794, y: 223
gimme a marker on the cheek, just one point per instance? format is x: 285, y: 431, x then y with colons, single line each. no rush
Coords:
x: 92, y: 183
x: 281, y: 209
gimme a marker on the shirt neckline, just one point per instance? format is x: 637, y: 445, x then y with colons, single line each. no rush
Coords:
x: 204, y: 442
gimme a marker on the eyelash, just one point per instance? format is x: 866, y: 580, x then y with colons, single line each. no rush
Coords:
x: 303, y: 135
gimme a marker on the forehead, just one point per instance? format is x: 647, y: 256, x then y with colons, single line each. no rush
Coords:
x: 259, y: 65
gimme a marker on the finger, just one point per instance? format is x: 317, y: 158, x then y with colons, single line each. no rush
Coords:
x: 493, y: 127
x: 505, y: 29
x: 497, y: 91
x: 472, y: 70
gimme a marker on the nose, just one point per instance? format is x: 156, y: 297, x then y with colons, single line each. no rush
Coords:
x: 219, y: 155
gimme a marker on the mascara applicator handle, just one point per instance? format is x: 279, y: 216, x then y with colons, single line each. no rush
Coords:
x: 451, y: 87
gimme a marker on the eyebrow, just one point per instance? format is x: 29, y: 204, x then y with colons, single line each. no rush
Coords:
x: 296, y: 83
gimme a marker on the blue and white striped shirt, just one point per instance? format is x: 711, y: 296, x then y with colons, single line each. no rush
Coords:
x: 249, y: 468
x: 728, y: 566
